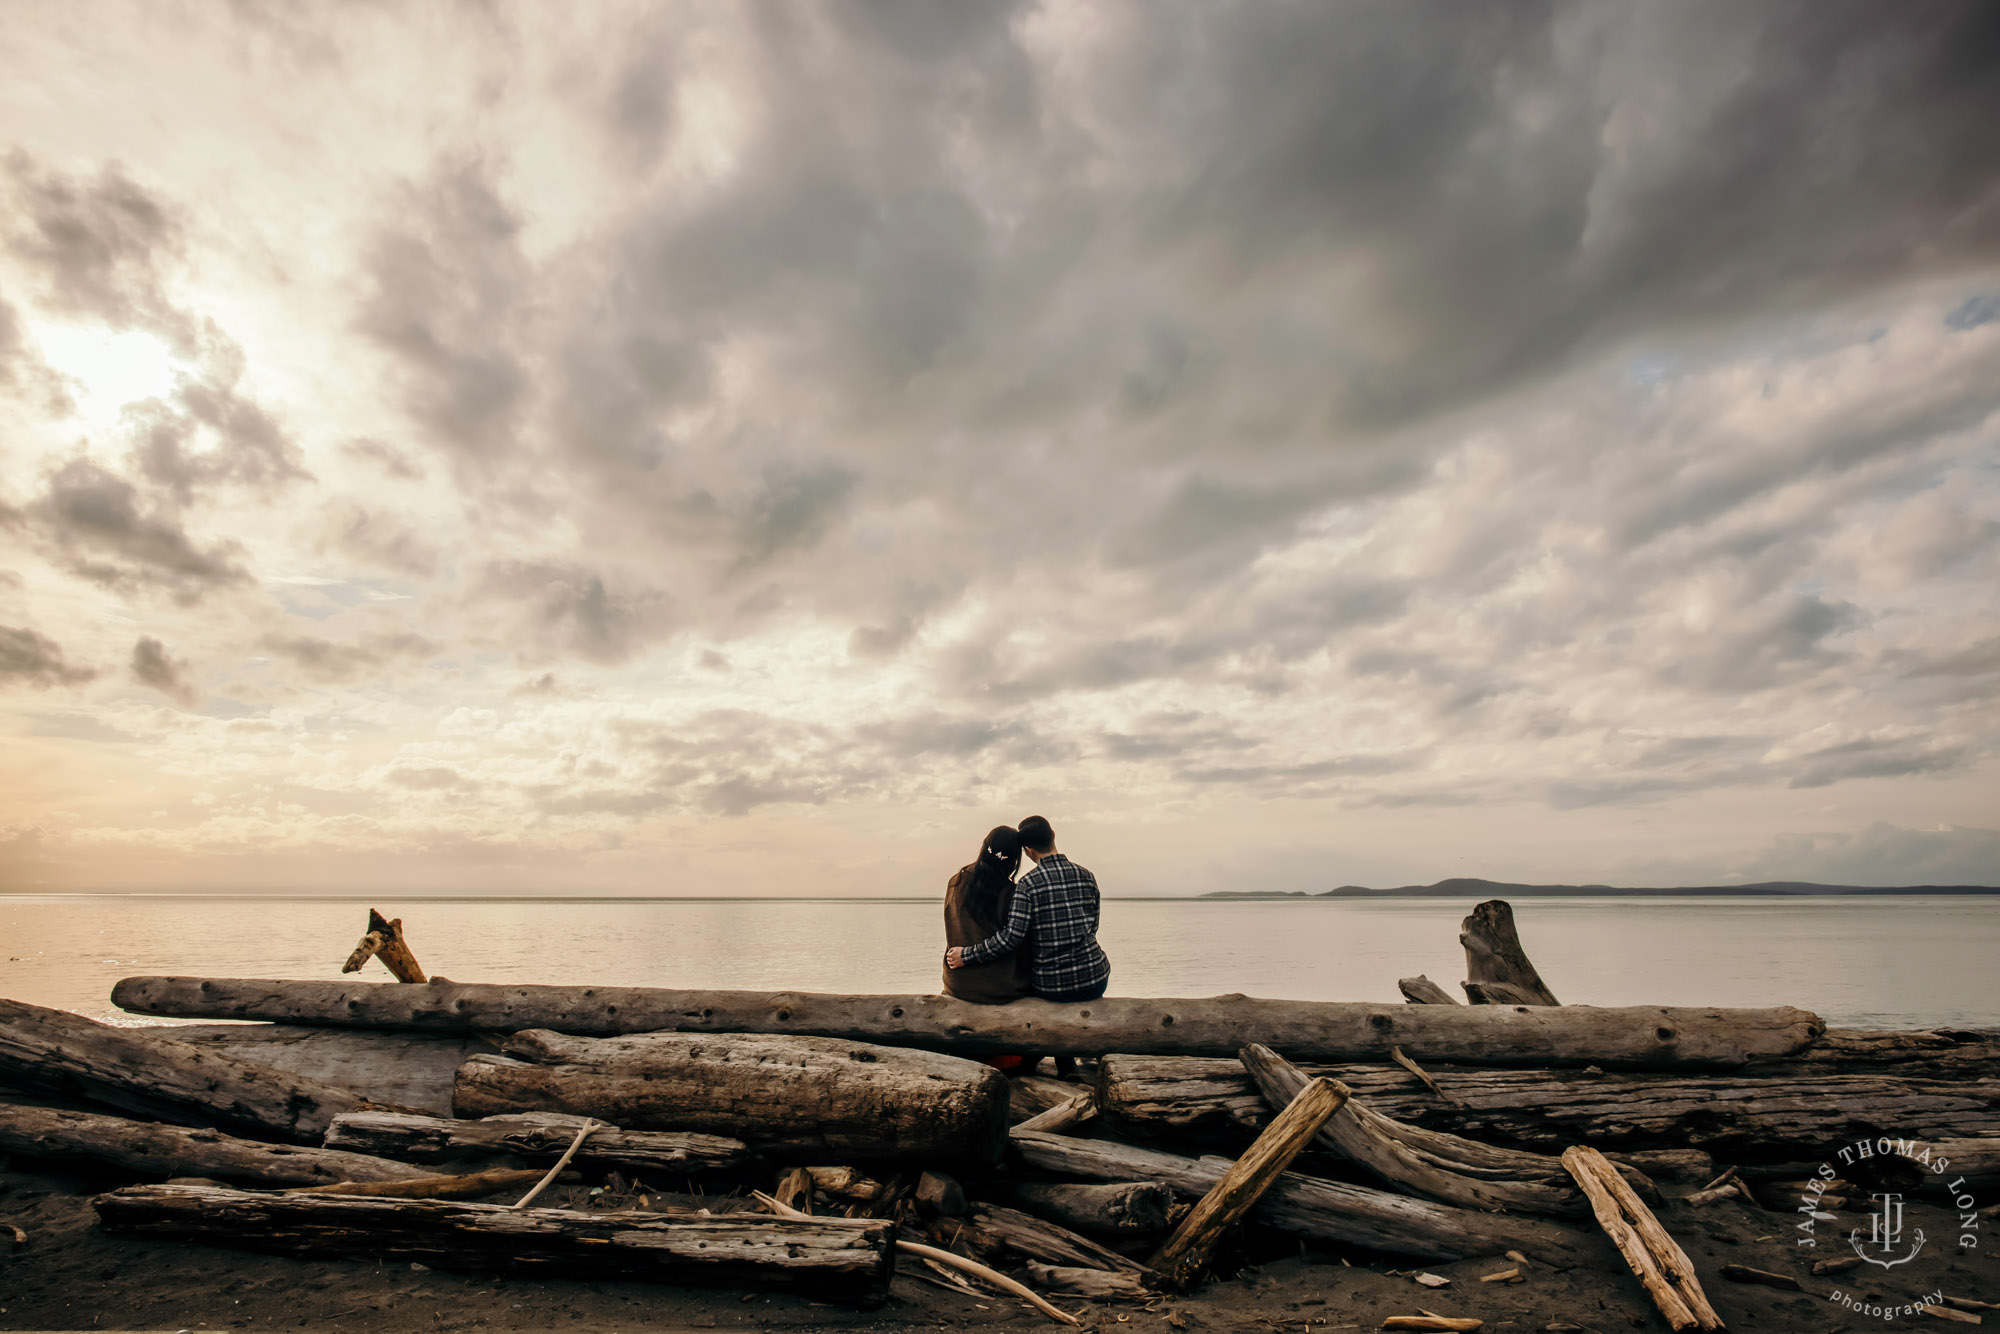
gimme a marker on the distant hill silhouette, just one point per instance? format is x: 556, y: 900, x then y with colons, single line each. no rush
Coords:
x: 1468, y: 887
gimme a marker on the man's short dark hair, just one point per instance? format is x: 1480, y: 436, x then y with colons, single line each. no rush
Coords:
x: 1036, y: 833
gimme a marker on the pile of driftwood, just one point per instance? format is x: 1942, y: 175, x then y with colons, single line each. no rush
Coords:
x: 854, y: 1134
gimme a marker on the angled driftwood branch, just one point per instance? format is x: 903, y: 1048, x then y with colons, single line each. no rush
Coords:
x: 1185, y: 1256
x: 1655, y: 1257
x: 1420, y: 990
x: 384, y: 940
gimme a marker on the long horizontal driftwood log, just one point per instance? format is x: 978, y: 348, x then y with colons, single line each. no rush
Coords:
x: 1637, y: 1036
x: 534, y: 1136
x: 1324, y: 1210
x: 1748, y: 1116
x: 413, y: 1070
x: 797, y: 1099
x: 842, y: 1259
x: 151, y: 1150
x: 146, y: 1071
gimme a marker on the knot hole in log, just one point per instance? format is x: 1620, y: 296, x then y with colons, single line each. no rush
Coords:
x: 1166, y: 1021
x: 1664, y: 1034
x: 1381, y: 1023
x: 896, y: 1012
x: 784, y: 1014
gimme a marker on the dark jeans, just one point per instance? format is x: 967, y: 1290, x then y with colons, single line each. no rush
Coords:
x: 1092, y: 992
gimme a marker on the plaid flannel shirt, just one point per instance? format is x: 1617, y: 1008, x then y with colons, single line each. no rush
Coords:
x: 1055, y: 913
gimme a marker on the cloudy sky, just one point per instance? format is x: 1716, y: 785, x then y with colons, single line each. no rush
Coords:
x: 719, y: 448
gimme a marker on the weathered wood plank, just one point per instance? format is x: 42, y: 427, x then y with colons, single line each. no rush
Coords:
x: 151, y: 1150
x: 538, y: 1137
x: 1635, y: 1036
x: 841, y: 1259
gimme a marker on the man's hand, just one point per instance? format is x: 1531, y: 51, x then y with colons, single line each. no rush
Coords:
x: 954, y: 957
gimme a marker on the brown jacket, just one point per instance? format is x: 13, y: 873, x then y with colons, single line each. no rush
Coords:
x: 993, y: 983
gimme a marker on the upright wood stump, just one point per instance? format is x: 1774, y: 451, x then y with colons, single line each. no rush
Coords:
x: 1495, y: 960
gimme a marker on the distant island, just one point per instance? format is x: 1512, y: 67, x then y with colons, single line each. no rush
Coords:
x: 1466, y: 887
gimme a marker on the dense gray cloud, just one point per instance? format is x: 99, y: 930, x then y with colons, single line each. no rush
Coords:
x: 153, y: 666
x: 100, y: 245
x: 104, y: 532
x: 1405, y: 422
x: 36, y: 660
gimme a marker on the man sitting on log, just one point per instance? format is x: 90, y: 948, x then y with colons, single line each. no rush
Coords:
x: 1054, y: 915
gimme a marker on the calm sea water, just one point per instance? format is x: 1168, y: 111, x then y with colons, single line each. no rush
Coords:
x: 1886, y: 962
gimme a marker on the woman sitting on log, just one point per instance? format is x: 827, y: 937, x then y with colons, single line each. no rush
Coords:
x: 976, y: 903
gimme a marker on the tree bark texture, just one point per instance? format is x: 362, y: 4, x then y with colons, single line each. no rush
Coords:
x: 796, y: 1099
x: 413, y: 1070
x: 1114, y: 1208
x: 1493, y: 954
x: 535, y: 1137
x: 146, y: 1071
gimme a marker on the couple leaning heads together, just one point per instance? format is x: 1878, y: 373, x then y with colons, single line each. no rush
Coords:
x: 1034, y: 938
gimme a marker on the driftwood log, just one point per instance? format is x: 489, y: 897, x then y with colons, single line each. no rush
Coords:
x: 1420, y: 990
x: 150, y: 1150
x: 1184, y: 1257
x: 1098, y: 1285
x: 840, y: 1259
x: 1431, y: 1163
x: 1029, y: 1096
x: 384, y: 940
x: 536, y: 1137
x: 145, y: 1071
x: 1112, y: 1208
x: 797, y: 1099
x: 1009, y: 1235
x: 1497, y: 970
x: 1655, y: 1257
x: 1639, y: 1036
x: 1323, y: 1210
x: 1748, y: 1117
x: 445, y: 1186
x: 413, y: 1070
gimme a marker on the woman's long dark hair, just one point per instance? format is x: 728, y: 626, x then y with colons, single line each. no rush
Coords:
x: 993, y: 871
